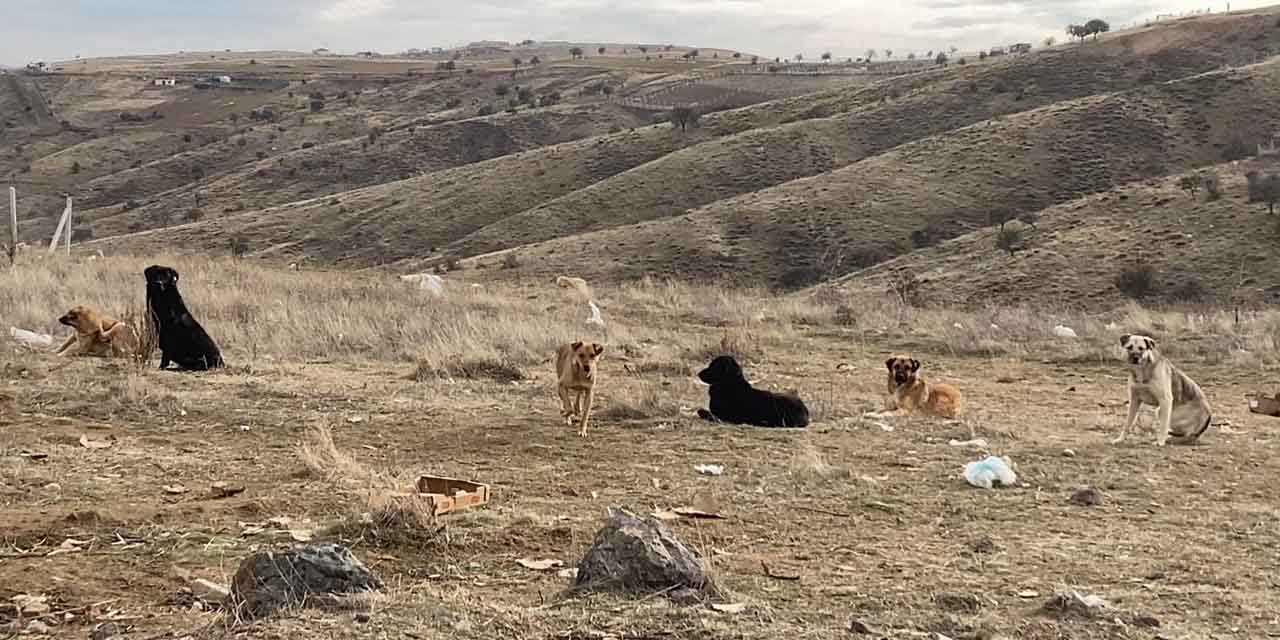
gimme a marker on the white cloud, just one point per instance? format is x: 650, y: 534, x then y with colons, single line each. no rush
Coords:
x: 343, y: 10
x: 767, y: 27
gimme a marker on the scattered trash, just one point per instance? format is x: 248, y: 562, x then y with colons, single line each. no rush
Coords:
x: 990, y: 472
x: 641, y: 555
x: 1264, y: 405
x: 355, y: 419
x: 209, y: 591
x: 1074, y: 603
x: 302, y: 535
x: 94, y: 444
x: 31, y: 338
x: 175, y: 489
x: 737, y: 607
x: 595, y: 314
x: 540, y: 565
x: 976, y: 443
x: 30, y: 605
x: 709, y: 469
x: 1111, y: 326
x: 686, y: 512
x: 1068, y: 453
x: 1063, y: 331
x: 887, y: 428
x: 995, y: 327
x: 33, y: 455
x: 778, y: 574
x: 224, y: 490
x: 1028, y: 594
x: 570, y: 573
x: 957, y: 325
x: 429, y: 282
x: 1086, y: 497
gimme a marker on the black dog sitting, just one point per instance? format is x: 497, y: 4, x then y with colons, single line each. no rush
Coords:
x: 182, y: 340
x: 734, y: 400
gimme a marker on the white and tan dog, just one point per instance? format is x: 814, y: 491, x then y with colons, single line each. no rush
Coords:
x: 1183, y: 411
x: 577, y: 372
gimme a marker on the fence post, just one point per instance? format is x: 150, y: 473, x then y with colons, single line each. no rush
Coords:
x: 69, y: 214
x: 13, y: 226
x: 62, y: 224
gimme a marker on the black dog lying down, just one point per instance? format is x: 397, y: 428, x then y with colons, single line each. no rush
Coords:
x: 733, y: 399
x: 182, y: 340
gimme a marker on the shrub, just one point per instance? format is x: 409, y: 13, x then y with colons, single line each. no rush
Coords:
x: 1212, y: 187
x: 453, y: 103
x: 906, y: 286
x: 1010, y: 240
x: 502, y: 89
x: 1137, y: 280
x: 1236, y: 149
x: 684, y: 117
x: 485, y: 110
x: 510, y: 260
x: 239, y: 246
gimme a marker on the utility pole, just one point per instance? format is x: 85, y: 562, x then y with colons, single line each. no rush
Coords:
x: 13, y: 226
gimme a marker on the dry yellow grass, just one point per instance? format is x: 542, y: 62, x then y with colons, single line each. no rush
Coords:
x: 875, y: 522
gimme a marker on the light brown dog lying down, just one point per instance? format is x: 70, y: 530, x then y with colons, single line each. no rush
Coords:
x: 97, y: 335
x: 577, y: 371
x: 911, y: 395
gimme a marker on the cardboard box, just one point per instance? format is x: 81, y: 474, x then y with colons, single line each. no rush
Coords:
x: 452, y: 494
x: 1264, y: 405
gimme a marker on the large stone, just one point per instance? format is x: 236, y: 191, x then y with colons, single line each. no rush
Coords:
x: 269, y: 580
x: 640, y: 555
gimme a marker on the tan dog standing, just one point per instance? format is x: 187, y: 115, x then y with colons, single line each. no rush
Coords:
x: 911, y: 395
x: 577, y: 371
x: 96, y: 334
x: 1183, y: 410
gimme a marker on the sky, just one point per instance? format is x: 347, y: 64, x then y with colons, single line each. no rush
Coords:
x: 62, y: 29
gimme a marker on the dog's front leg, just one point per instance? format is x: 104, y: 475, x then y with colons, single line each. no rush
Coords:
x: 566, y: 405
x: 587, y: 398
x: 1164, y: 418
x: 164, y: 360
x: 62, y: 351
x: 1135, y: 405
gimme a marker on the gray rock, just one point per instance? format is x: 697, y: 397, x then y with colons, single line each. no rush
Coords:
x: 269, y: 580
x: 641, y: 555
x: 1086, y: 497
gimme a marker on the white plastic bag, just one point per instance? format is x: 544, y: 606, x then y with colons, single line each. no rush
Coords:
x: 990, y: 472
x: 31, y: 339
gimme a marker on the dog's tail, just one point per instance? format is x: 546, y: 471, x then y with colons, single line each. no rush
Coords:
x: 1204, y: 427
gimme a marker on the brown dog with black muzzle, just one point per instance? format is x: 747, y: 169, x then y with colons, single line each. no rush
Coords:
x: 577, y: 371
x: 911, y: 395
x: 96, y: 335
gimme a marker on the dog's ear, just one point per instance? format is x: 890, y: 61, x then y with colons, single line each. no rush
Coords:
x: 597, y: 348
x: 1124, y: 339
x: 889, y: 363
x: 1151, y: 342
x: 575, y: 346
x: 915, y: 364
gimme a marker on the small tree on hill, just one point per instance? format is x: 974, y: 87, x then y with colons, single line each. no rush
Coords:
x: 535, y: 61
x: 737, y: 55
x: 239, y: 246
x: 576, y: 52
x: 601, y: 50
x: 1096, y: 26
x: 643, y: 49
x: 1212, y: 186
x: 911, y: 56
x: 684, y: 117
x: 1050, y: 41
x: 1190, y: 184
x: 516, y: 62
x: 888, y: 54
x: 75, y: 167
x: 941, y: 60
x: 906, y: 286
x: 826, y: 57
x: 502, y: 89
x: 871, y: 54
x: 982, y: 55
x: 1264, y: 188
x: 1010, y: 240
x: 1137, y: 280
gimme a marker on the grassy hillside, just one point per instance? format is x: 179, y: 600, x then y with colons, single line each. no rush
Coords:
x: 811, y: 229
x: 657, y: 173
x: 1192, y: 249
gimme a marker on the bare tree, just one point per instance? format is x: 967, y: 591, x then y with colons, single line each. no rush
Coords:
x: 684, y: 117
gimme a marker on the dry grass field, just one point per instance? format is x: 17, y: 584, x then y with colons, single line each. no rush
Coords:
x: 344, y: 384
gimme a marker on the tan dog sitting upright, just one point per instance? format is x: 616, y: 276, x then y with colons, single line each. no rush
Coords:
x: 576, y: 368
x: 911, y: 395
x: 97, y: 334
x: 1183, y: 411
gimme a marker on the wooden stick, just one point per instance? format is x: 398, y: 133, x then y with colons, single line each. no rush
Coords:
x: 62, y: 223
x: 68, y: 214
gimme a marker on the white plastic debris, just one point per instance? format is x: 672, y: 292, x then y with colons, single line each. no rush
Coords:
x: 1063, y: 331
x: 990, y: 472
x: 976, y: 443
x: 30, y: 338
x: 429, y: 282
x: 957, y: 325
x: 595, y: 314
x: 709, y: 469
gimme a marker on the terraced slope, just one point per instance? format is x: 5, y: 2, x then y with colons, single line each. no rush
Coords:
x: 1197, y: 250
x: 811, y: 229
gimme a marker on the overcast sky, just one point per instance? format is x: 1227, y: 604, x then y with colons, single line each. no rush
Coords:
x: 61, y: 29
